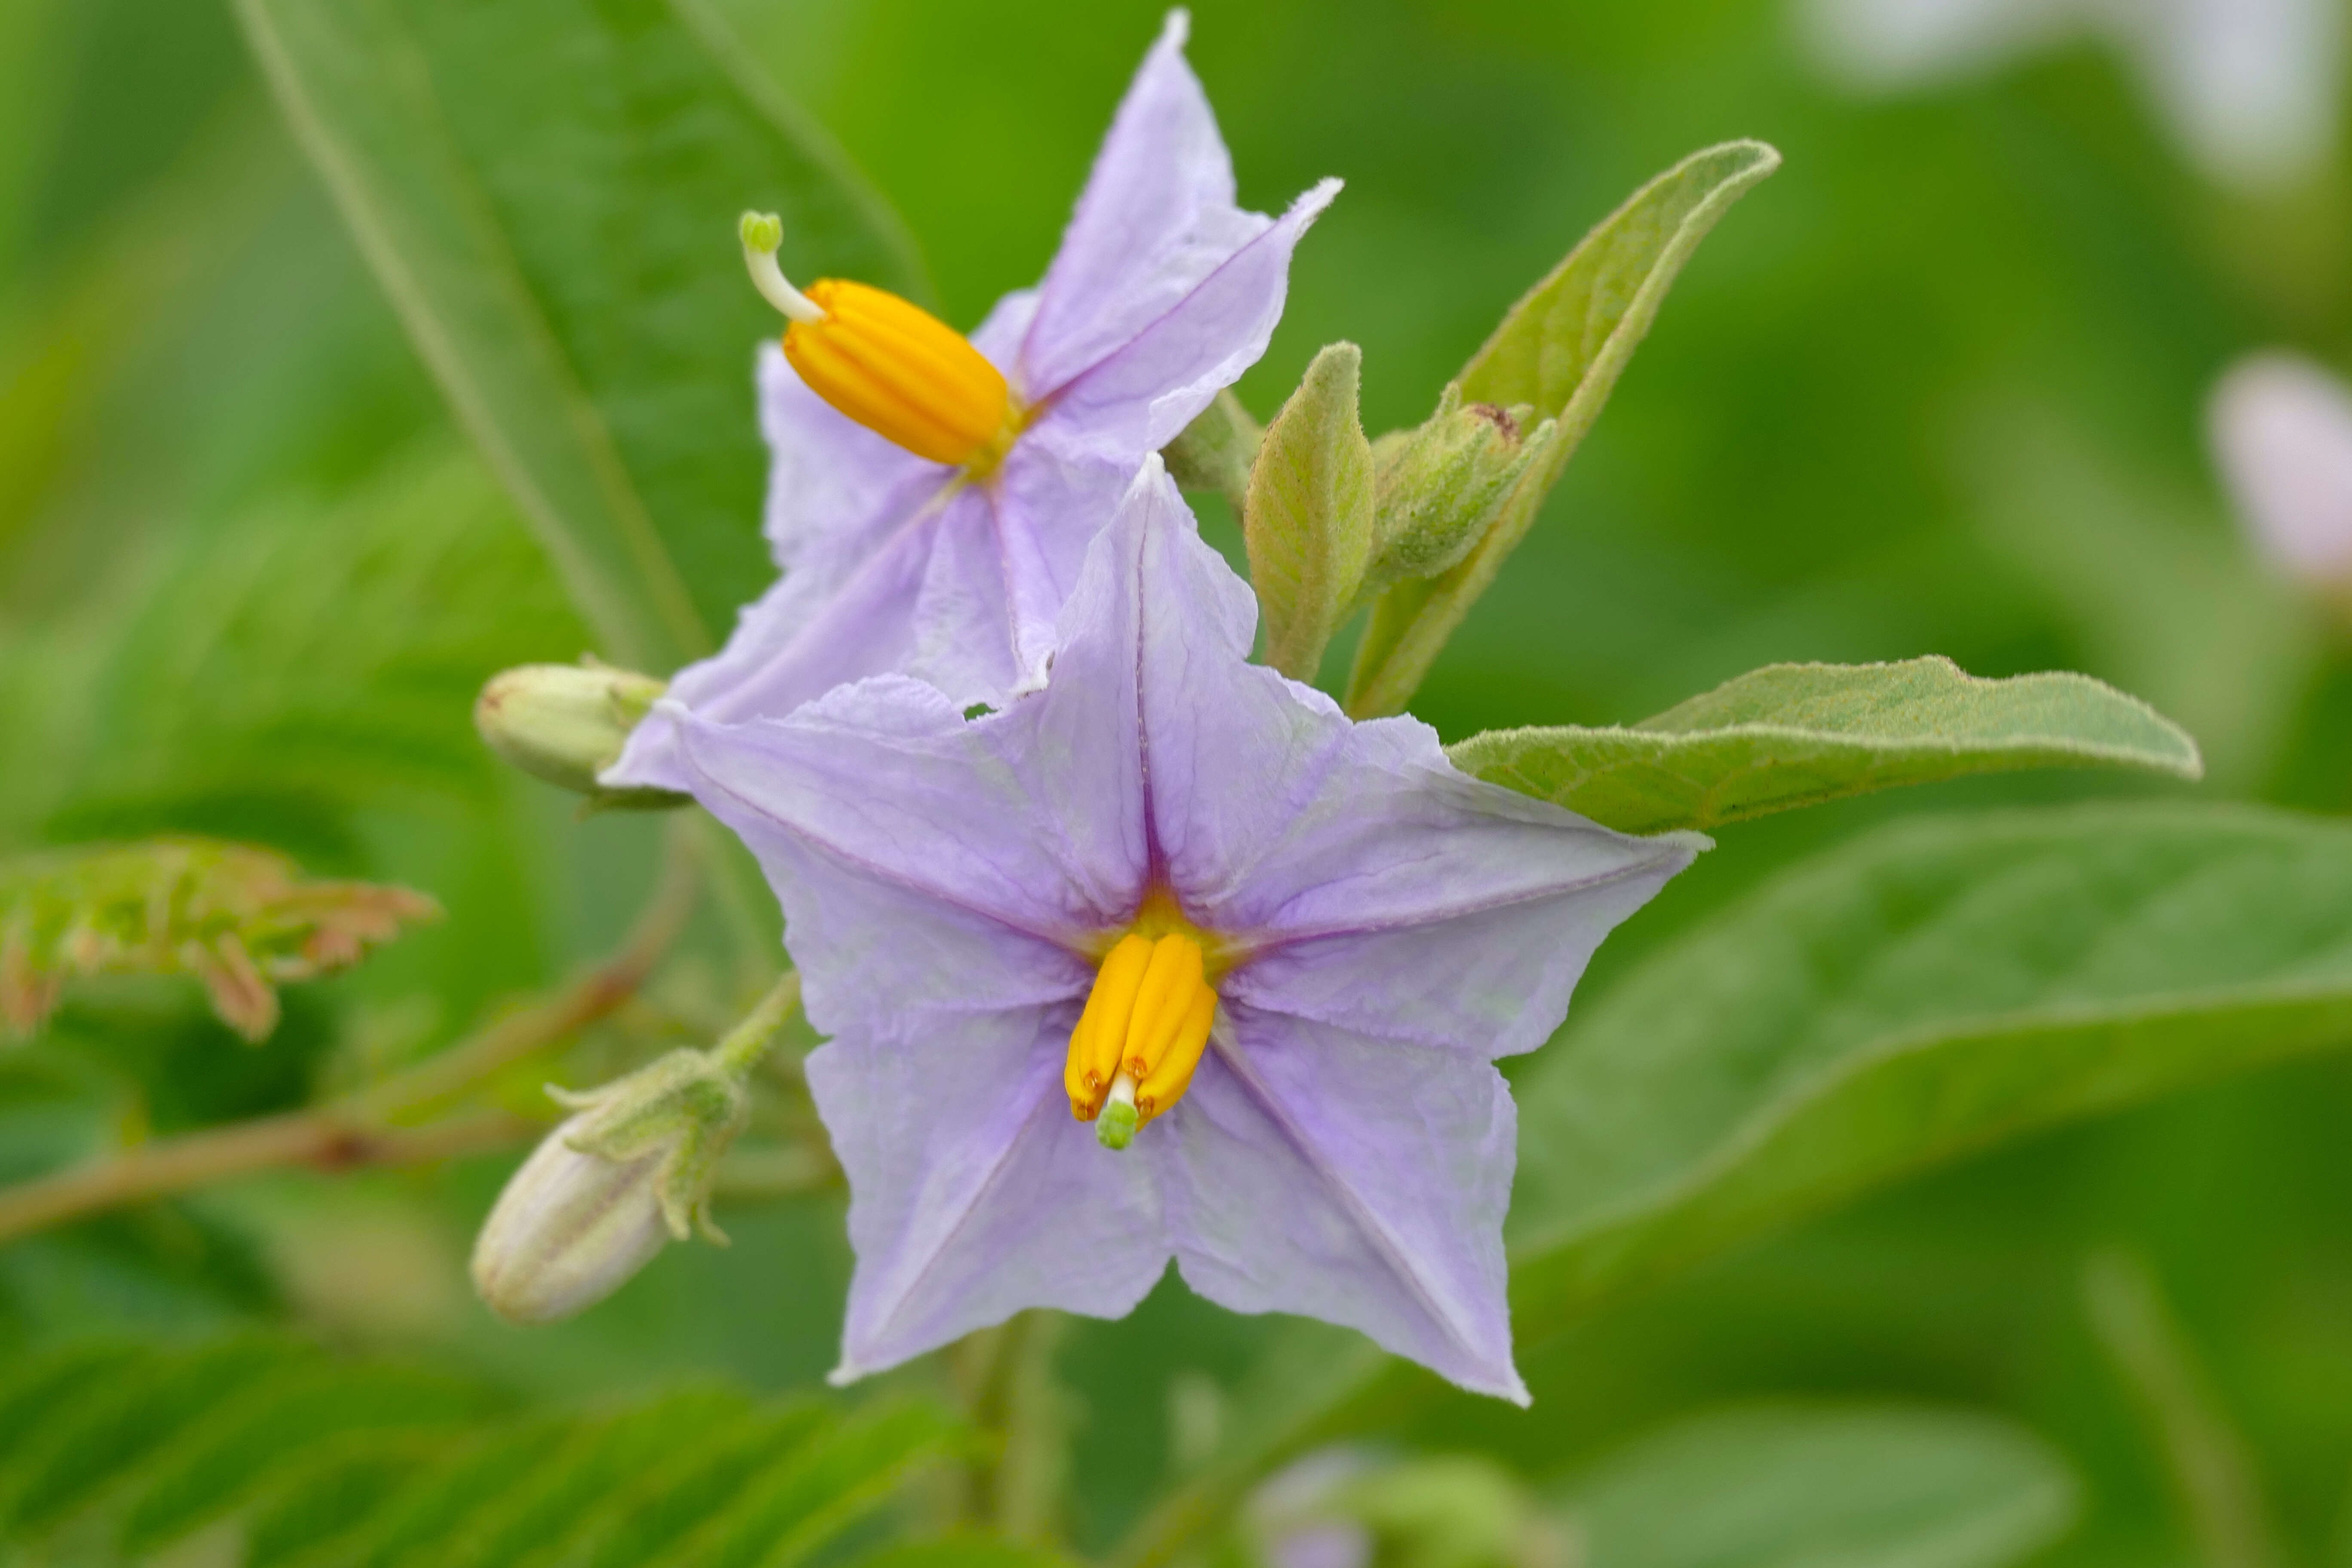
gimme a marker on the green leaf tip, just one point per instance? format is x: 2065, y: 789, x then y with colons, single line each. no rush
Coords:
x: 1792, y: 735
x: 1559, y: 352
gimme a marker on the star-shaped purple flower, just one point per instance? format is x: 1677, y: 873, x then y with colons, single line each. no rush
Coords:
x: 1380, y: 928
x: 1163, y: 292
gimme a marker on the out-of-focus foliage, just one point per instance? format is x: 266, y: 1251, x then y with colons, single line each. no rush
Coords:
x: 1800, y: 734
x: 1890, y: 1488
x: 241, y: 920
x: 277, y: 1455
x: 540, y: 187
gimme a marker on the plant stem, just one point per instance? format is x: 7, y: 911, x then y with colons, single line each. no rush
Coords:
x: 360, y: 1130
x: 2212, y: 1469
x: 750, y: 1040
x: 322, y: 1139
x: 1004, y: 1380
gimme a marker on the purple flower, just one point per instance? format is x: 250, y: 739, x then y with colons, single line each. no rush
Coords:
x: 1370, y: 927
x: 1163, y: 292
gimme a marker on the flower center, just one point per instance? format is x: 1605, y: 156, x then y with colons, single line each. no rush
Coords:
x: 891, y: 365
x: 1145, y: 1026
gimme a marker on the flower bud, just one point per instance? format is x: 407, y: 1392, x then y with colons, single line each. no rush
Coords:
x: 1439, y: 487
x: 570, y: 1230
x: 631, y: 1168
x: 567, y: 722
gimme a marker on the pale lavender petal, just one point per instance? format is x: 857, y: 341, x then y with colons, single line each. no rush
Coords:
x: 807, y: 636
x: 2282, y: 431
x: 1142, y: 395
x: 1351, y: 1179
x: 924, y: 862
x: 1279, y: 822
x: 836, y: 489
x: 1000, y: 334
x: 973, y: 1192
x: 1157, y: 217
x: 856, y: 521
x: 1491, y: 983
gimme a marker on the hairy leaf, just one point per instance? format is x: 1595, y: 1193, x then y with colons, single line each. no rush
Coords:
x: 547, y: 190
x: 1923, y: 991
x: 1862, y: 1488
x: 1308, y: 521
x: 1799, y: 734
x: 1560, y: 350
x: 313, y: 1461
x: 241, y: 920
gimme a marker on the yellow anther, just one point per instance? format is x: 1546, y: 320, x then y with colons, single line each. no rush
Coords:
x: 1161, y: 1003
x: 892, y: 367
x: 1173, y: 1075
x: 1144, y: 1029
x: 1101, y: 1034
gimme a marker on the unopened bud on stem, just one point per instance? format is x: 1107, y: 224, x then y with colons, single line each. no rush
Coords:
x: 629, y: 1169
x: 1441, y: 486
x: 567, y: 722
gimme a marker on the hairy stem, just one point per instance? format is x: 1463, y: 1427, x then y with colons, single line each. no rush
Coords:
x: 748, y: 1042
x: 360, y: 1130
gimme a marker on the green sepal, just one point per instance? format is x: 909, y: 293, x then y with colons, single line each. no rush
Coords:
x: 1308, y: 522
x: 684, y: 1106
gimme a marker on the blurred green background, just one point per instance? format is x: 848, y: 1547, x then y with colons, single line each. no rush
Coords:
x: 1937, y: 386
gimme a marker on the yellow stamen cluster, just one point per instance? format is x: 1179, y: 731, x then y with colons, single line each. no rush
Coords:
x: 1145, y: 1026
x: 891, y: 365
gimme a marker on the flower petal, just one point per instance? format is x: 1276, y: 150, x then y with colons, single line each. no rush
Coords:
x: 853, y: 519
x: 1392, y: 1166
x: 810, y: 633
x: 918, y: 859
x: 1141, y: 396
x: 974, y: 1194
x: 1388, y: 892
x: 836, y: 489
x: 1157, y: 217
x: 2281, y: 427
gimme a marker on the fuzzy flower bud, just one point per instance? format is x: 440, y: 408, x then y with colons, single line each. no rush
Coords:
x: 631, y: 1168
x: 1440, y: 487
x: 567, y: 722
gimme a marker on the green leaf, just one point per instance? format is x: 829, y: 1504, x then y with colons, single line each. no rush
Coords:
x: 1799, y: 734
x: 1308, y: 520
x: 322, y: 1463
x: 548, y: 189
x: 962, y: 1552
x: 239, y: 919
x: 1917, y: 993
x: 1561, y: 348
x: 1861, y: 1487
